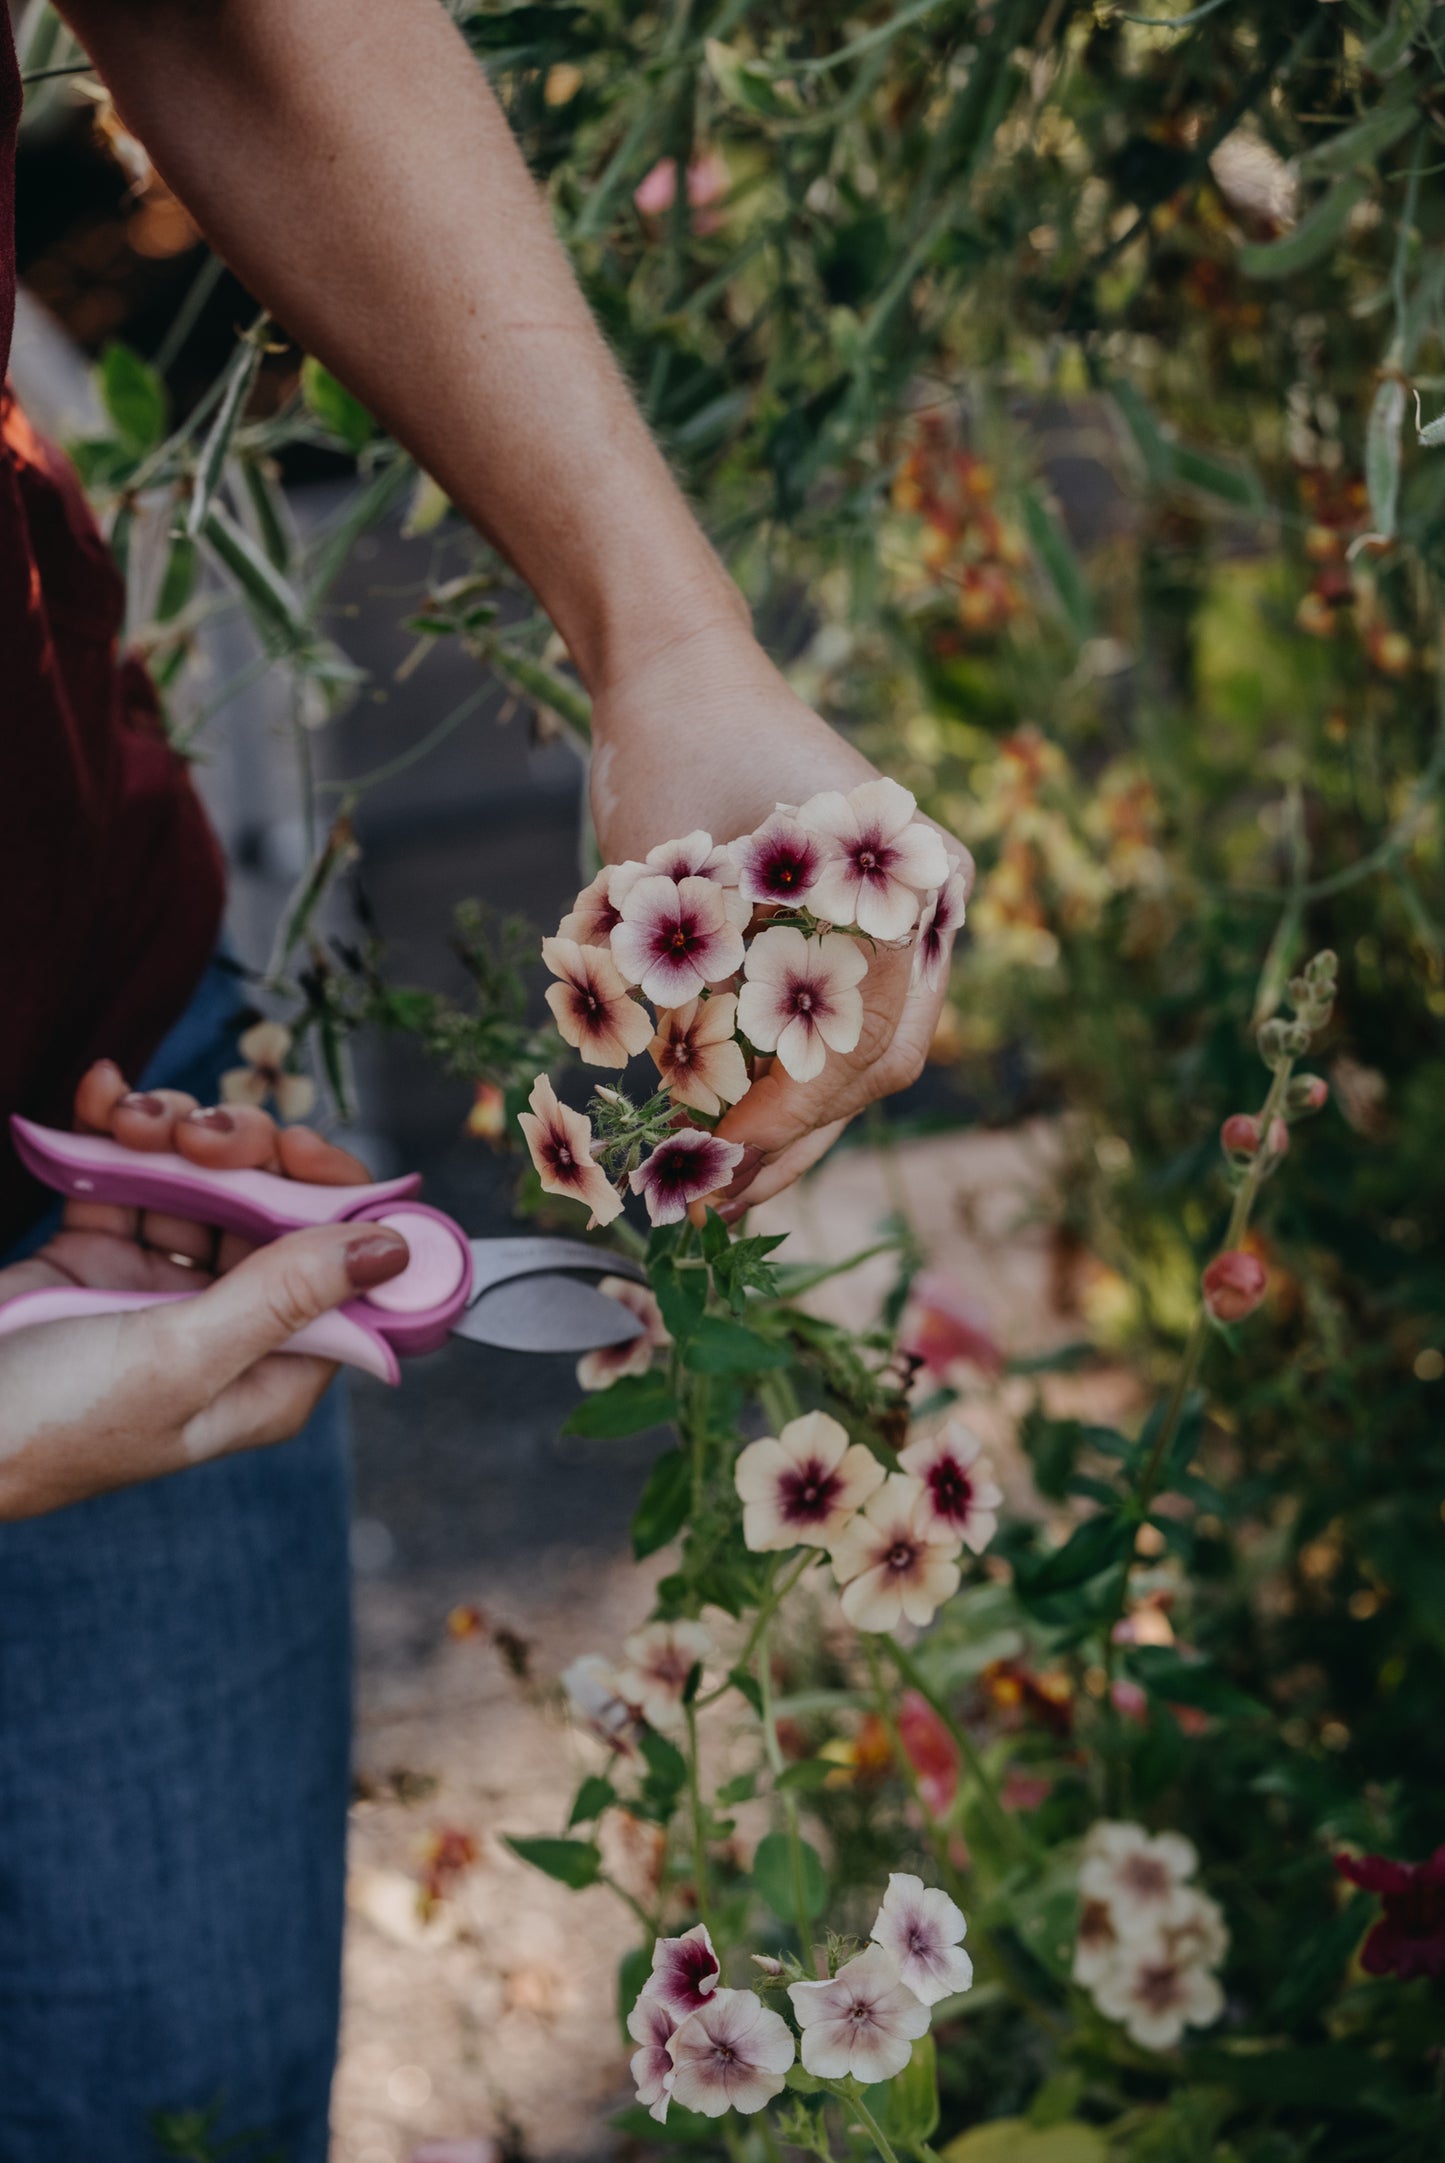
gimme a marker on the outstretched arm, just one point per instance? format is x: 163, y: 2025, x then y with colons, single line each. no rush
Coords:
x: 348, y: 159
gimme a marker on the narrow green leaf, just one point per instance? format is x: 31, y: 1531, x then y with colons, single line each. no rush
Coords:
x: 1166, y: 1674
x: 662, y: 1511
x: 1312, y: 239
x: 272, y: 600
x: 216, y: 448
x: 809, y: 1772
x: 134, y: 397
x: 572, y: 1862
x: 593, y: 1797
x: 663, y: 1758
x: 334, y: 406
x: 1215, y: 477
x: 1055, y: 551
x: 1382, y: 454
x: 746, y: 85
x: 1367, y: 140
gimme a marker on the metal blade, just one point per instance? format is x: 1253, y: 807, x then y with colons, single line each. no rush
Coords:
x: 495, y: 1261
x: 547, y: 1313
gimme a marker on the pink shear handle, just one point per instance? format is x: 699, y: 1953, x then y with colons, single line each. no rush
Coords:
x: 413, y: 1313
x: 341, y: 1335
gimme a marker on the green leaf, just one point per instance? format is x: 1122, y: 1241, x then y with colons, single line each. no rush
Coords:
x: 1054, y: 549
x: 741, y: 1789
x: 1014, y: 2140
x: 1382, y: 453
x: 593, y: 1797
x: 634, y: 1402
x: 1153, y: 446
x: 747, y: 1686
x: 134, y: 397
x: 572, y: 1862
x: 662, y: 1511
x: 1313, y: 238
x: 773, y: 1877
x: 1094, y: 1546
x: 723, y: 1347
x: 216, y: 448
x: 334, y: 406
x: 1215, y: 477
x: 682, y: 1296
x: 633, y: 1970
x: 911, y: 2108
x: 273, y: 602
x: 1367, y: 140
x: 1166, y: 1674
x: 746, y: 85
x: 664, y: 1760
x: 179, y: 580
x: 809, y: 1772
x: 1389, y: 46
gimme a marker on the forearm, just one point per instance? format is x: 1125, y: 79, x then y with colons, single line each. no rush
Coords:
x: 348, y: 159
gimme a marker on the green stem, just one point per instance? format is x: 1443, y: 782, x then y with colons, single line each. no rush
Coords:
x: 699, y: 1834
x: 802, y: 1921
x: 650, y: 1923
x: 850, y: 2095
x: 773, y: 1599
x: 1016, y: 1834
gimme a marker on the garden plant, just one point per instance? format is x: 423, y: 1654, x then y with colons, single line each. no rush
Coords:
x: 1060, y: 381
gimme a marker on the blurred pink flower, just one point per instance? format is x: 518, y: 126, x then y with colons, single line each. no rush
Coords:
x: 1233, y: 1285
x: 1024, y: 1790
x: 931, y: 1751
x: 707, y: 181
x: 599, y: 1369
x: 943, y: 1325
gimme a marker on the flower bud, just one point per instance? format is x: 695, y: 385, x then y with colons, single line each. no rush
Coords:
x: 1307, y: 1093
x: 1273, y: 1043
x: 1233, y: 1285
x: 1239, y: 1136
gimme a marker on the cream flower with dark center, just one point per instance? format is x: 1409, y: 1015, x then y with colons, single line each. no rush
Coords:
x: 1097, y: 1946
x: 688, y: 1166
x: 675, y: 937
x: 607, y: 1363
x: 697, y: 856
x: 864, y: 2021
x: 560, y: 1141
x: 942, y: 918
x: 598, y: 907
x: 592, y: 1006
x: 1157, y: 1996
x: 962, y: 1492
x: 800, y: 997
x: 733, y: 2054
x: 697, y: 1056
x: 895, y: 1559
x: 878, y: 860
x: 923, y: 1929
x: 801, y: 1488
x: 1141, y: 1877
x: 651, y: 2025
x: 660, y: 1658
x: 685, y: 1972
x: 778, y: 864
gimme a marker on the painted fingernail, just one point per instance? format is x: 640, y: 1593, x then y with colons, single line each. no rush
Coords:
x: 746, y: 1170
x: 214, y: 1118
x: 138, y: 1101
x: 375, y: 1258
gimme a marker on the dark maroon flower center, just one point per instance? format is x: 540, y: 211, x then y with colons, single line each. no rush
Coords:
x: 693, y: 1966
x: 803, y: 998
x: 676, y: 1171
x: 951, y: 1488
x: 807, y: 1494
x: 901, y: 1555
x: 682, y: 1051
x: 1158, y: 1987
x: 559, y: 1155
x: 873, y: 858
x: 1147, y: 1879
x: 858, y: 2012
x: 681, y: 939
x: 588, y: 1001
x: 786, y: 871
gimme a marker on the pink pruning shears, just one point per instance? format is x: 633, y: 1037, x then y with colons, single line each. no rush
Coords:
x: 525, y: 1294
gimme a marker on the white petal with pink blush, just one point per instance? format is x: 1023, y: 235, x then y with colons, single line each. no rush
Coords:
x: 734, y: 2054
x: 942, y: 919
x: 686, y: 1168
x: 800, y: 1488
x: 685, y: 1972
x: 560, y: 1142
x: 800, y: 997
x: 879, y: 859
x: 697, y: 1055
x: 958, y: 1481
x: 675, y: 938
x: 776, y: 866
x: 660, y: 1657
x: 697, y: 856
x: 863, y: 2022
x: 894, y: 1560
x: 591, y: 1005
x: 651, y: 2025
x: 607, y: 1364
x: 924, y: 1930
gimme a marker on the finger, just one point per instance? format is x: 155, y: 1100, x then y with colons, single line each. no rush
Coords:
x: 266, y: 1299
x: 229, y: 1137
x: 307, y: 1155
x: 773, y: 1174
x: 100, y: 1089
x: 269, y: 1403
x: 231, y: 1249
x: 104, y: 1263
x: 778, y: 1111
x: 185, y: 1239
x: 146, y: 1118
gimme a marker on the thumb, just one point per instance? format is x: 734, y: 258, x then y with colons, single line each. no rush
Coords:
x: 275, y: 1292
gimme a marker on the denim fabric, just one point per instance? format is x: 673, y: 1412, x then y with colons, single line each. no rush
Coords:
x: 174, y: 1770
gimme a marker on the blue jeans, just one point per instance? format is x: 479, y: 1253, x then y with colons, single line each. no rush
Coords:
x: 174, y: 1776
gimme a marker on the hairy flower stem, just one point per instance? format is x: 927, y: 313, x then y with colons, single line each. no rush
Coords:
x: 850, y: 2095
x: 1015, y: 1835
x: 802, y: 1920
x: 699, y: 1828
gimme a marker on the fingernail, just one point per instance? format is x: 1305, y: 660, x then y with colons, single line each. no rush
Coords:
x: 107, y: 1067
x: 215, y: 1118
x: 746, y: 1170
x: 375, y: 1258
x: 142, y: 1102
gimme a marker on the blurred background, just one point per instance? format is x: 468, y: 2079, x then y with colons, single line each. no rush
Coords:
x: 1045, y: 373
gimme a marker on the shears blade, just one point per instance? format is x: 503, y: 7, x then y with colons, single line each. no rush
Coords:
x: 530, y: 1294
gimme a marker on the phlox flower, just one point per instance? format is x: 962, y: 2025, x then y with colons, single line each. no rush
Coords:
x: 1096, y: 1948
x: 730, y: 2055
x: 941, y: 918
x: 779, y: 862
x: 685, y: 1972
x: 1141, y: 1877
x: 895, y: 1558
x: 697, y: 856
x: 607, y: 1363
x: 1157, y: 1995
x: 923, y: 1929
x: 688, y: 1165
x: 864, y: 2021
x: 697, y: 1056
x: 265, y: 1047
x: 800, y: 997
x: 560, y: 1141
x: 592, y: 1006
x: 660, y: 1658
x: 651, y: 2025
x: 598, y: 907
x: 674, y: 937
x: 1202, y: 1936
x: 877, y: 862
x: 591, y: 1686
x: 959, y: 1483
x: 801, y: 1488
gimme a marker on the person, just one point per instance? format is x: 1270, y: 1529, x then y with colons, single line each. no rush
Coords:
x: 173, y: 1650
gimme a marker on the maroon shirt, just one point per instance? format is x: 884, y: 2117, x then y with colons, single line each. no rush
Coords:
x: 111, y: 885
